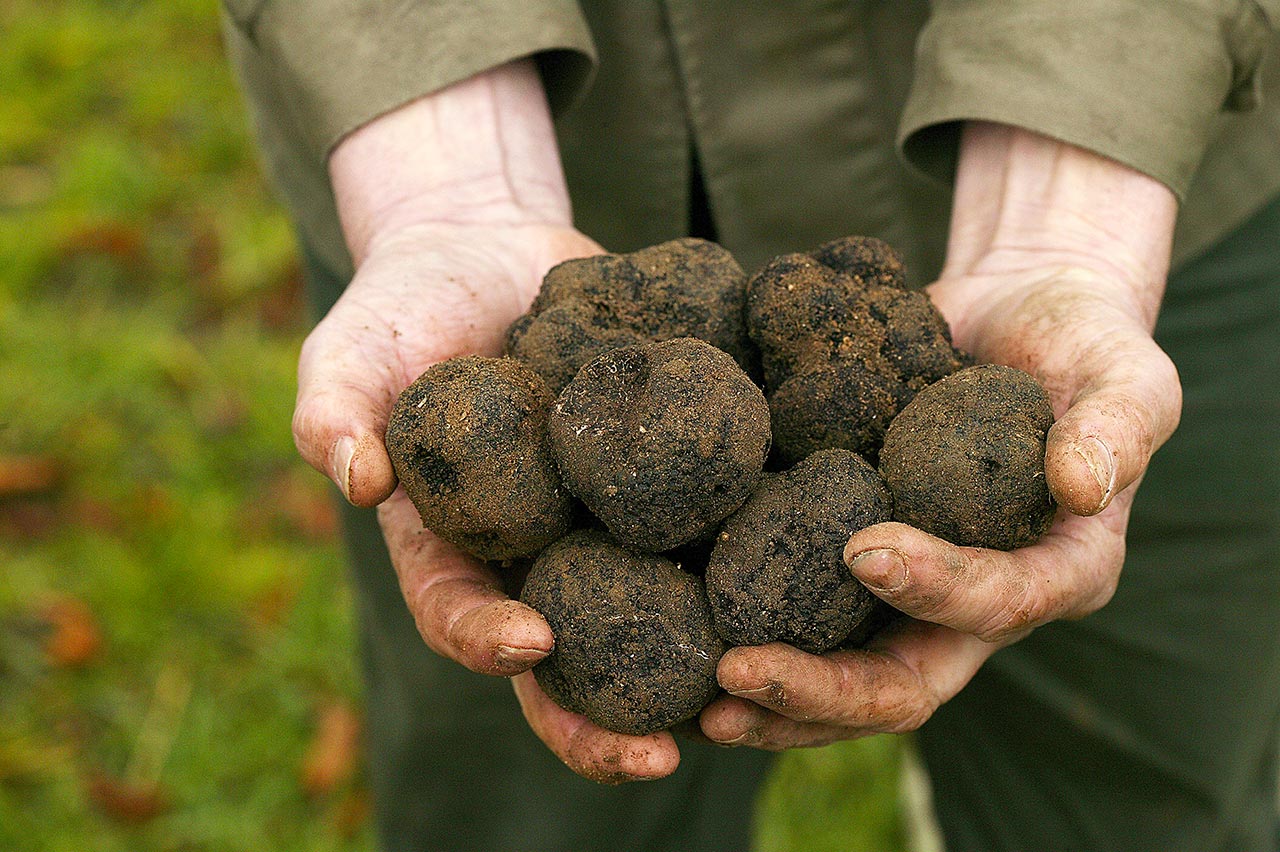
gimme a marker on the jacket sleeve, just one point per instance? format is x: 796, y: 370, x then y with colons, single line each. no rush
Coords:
x: 1137, y: 81
x: 337, y: 64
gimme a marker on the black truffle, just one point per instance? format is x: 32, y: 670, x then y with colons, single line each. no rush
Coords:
x: 777, y: 572
x: 965, y: 459
x: 635, y: 649
x: 843, y: 353
x: 661, y: 441
x: 468, y: 441
x: 586, y: 307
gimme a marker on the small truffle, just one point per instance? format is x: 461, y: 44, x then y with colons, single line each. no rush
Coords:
x: 843, y: 352
x: 661, y: 441
x: 635, y: 651
x: 588, y: 306
x: 965, y: 459
x: 777, y: 572
x: 468, y: 440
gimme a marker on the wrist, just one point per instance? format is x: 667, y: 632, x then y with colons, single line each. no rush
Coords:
x: 482, y: 151
x: 1027, y: 202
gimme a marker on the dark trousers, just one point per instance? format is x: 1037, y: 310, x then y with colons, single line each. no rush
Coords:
x: 1151, y: 725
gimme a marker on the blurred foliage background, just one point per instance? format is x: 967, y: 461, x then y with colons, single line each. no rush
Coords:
x: 176, y: 649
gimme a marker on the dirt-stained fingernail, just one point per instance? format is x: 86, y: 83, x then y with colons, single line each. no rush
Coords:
x: 1101, y: 462
x: 344, y: 453
x: 771, y: 692
x: 518, y: 659
x: 882, y: 569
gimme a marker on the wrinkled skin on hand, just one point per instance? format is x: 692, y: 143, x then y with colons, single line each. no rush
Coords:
x: 1018, y: 290
x: 454, y: 209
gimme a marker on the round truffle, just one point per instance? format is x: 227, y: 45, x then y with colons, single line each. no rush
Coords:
x: 777, y: 572
x: 635, y: 651
x: 965, y: 459
x: 843, y: 353
x: 661, y: 441
x: 468, y: 440
x: 681, y: 288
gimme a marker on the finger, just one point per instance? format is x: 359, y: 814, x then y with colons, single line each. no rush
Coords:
x: 893, y: 685
x: 457, y: 602
x: 732, y: 721
x: 589, y: 750
x: 340, y: 416
x: 1103, y: 442
x: 992, y: 594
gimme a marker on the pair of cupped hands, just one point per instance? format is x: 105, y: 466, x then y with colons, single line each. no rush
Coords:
x: 1056, y: 265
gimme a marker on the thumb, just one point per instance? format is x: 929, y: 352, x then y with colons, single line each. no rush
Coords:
x: 340, y: 416
x: 1103, y: 442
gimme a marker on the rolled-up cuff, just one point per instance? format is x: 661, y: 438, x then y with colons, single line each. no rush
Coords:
x: 1138, y: 82
x: 338, y: 64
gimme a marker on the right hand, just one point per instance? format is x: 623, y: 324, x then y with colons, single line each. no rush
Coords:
x: 451, y: 238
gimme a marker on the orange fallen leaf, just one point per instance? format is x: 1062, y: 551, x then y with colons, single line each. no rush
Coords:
x: 334, y: 750
x: 28, y: 475
x: 75, y: 638
x: 124, y: 801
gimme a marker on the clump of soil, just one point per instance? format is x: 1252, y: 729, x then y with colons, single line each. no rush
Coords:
x: 661, y: 441
x: 635, y: 648
x: 589, y: 306
x: 843, y: 351
x: 777, y: 572
x: 468, y: 440
x: 965, y: 459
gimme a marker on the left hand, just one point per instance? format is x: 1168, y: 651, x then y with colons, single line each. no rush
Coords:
x: 1056, y: 266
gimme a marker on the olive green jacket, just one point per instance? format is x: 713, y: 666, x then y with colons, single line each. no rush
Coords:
x: 809, y: 119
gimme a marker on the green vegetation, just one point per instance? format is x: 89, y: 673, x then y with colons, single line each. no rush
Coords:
x: 176, y: 665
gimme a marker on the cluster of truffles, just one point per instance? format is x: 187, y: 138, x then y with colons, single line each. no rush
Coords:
x: 683, y: 452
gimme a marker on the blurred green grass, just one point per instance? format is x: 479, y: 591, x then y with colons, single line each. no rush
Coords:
x: 176, y: 646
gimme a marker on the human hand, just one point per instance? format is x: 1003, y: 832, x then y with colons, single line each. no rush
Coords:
x: 1056, y: 265
x: 454, y: 208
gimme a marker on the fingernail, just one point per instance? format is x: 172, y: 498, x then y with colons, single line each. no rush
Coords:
x: 344, y: 453
x: 883, y: 570
x: 770, y: 691
x: 1101, y: 463
x: 738, y: 740
x: 509, y: 657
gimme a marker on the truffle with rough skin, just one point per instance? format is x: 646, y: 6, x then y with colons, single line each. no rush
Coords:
x: 468, y: 440
x: 635, y: 650
x: 588, y: 306
x: 965, y: 459
x: 661, y: 441
x: 777, y: 573
x: 842, y: 354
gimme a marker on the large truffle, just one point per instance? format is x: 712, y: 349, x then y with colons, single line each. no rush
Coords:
x: 843, y: 352
x: 661, y: 441
x: 777, y: 572
x: 682, y: 288
x: 965, y: 459
x: 635, y: 651
x: 468, y: 441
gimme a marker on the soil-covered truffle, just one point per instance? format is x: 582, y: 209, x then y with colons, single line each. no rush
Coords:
x: 468, y: 442
x: 661, y: 441
x: 843, y: 353
x: 682, y: 288
x: 777, y: 573
x: 635, y: 651
x: 965, y: 459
